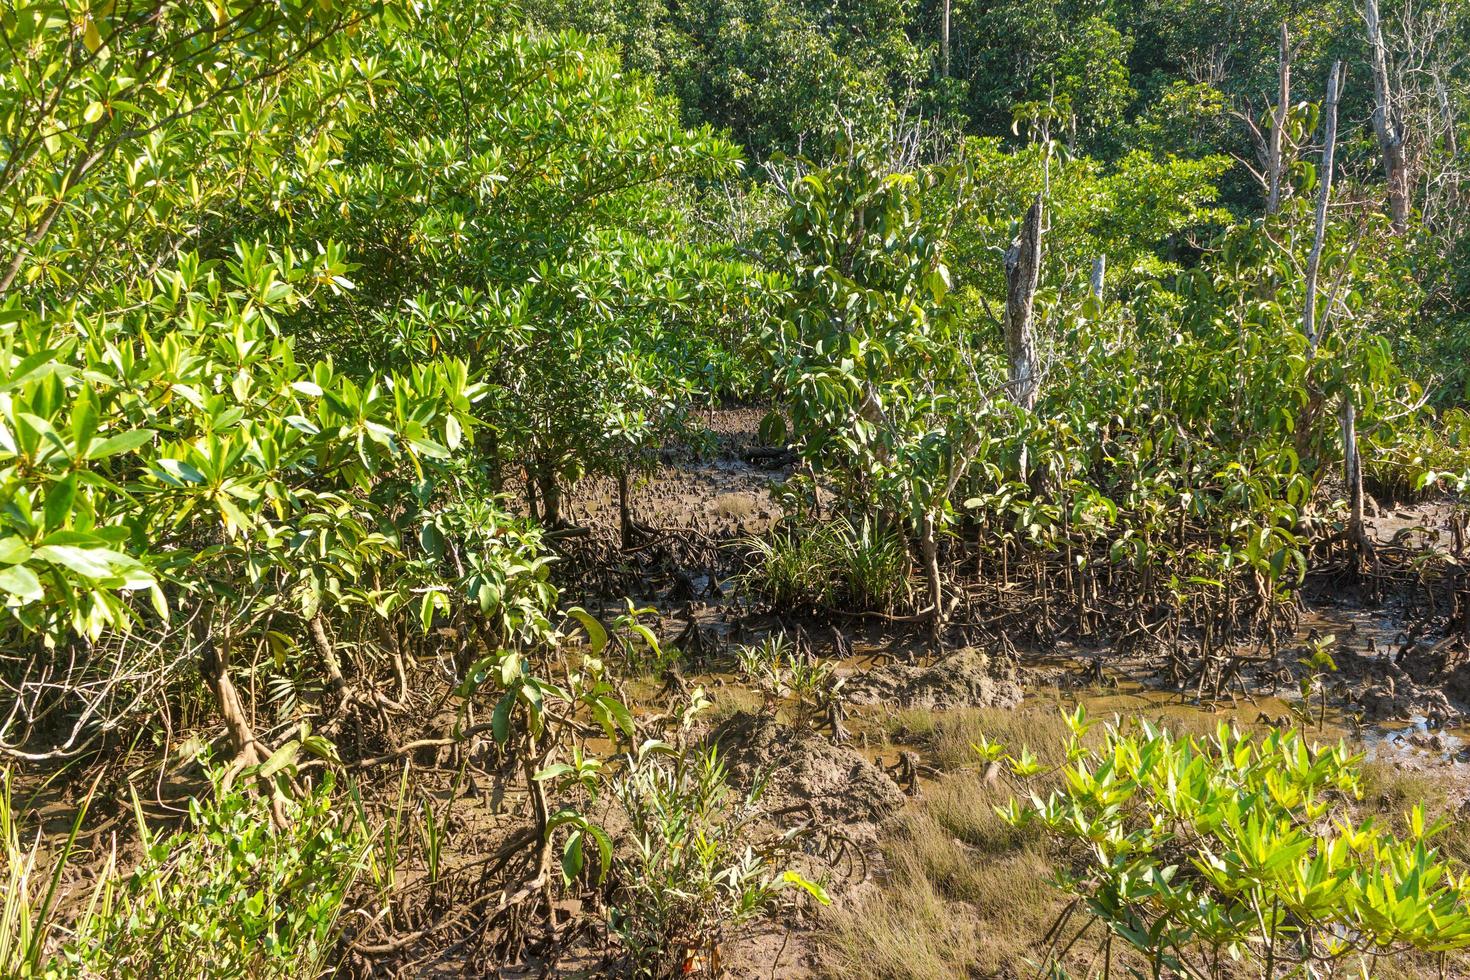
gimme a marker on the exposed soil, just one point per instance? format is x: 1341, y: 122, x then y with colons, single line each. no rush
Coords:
x: 968, y: 678
x: 720, y: 493
x: 806, y: 776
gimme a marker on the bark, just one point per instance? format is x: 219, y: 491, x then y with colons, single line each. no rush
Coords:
x: 1387, y: 122
x: 1310, y: 329
x: 550, y: 495
x: 214, y: 667
x: 929, y: 548
x: 328, y: 653
x: 944, y: 42
x: 1352, y: 474
x: 1324, y: 195
x: 1023, y: 271
x: 1099, y: 274
x: 1274, y: 150
x: 533, y: 509
x: 625, y: 513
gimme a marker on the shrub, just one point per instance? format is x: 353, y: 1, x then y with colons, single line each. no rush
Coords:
x: 697, y: 868
x: 231, y: 894
x: 1239, y: 855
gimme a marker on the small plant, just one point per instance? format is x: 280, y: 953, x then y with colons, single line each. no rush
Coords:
x: 1319, y: 664
x: 782, y: 669
x: 806, y: 679
x: 759, y: 661
x: 698, y: 868
x: 1236, y: 856
x: 830, y: 565
x: 231, y: 895
x: 28, y: 906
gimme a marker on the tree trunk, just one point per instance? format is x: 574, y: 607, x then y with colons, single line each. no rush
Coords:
x: 1352, y: 475
x: 328, y: 653
x: 1099, y: 274
x: 944, y: 42
x: 533, y: 510
x: 1023, y: 270
x: 1274, y: 150
x: 625, y: 513
x: 1310, y: 328
x: 1387, y: 122
x: 214, y: 667
x: 929, y: 549
x: 550, y: 495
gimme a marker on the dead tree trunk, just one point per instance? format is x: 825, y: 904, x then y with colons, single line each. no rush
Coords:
x: 1388, y: 123
x: 1324, y: 195
x: 1275, y: 148
x: 1023, y: 271
x: 1310, y: 328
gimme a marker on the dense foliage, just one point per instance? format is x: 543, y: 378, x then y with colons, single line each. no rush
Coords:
x: 312, y: 313
x: 1213, y: 855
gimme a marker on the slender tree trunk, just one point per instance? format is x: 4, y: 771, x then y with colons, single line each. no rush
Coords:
x: 1352, y: 475
x: 625, y: 513
x: 1324, y: 194
x: 929, y: 549
x: 328, y: 653
x: 1275, y: 151
x: 944, y: 42
x: 1387, y: 122
x: 1310, y: 329
x: 1023, y: 271
x: 1099, y: 274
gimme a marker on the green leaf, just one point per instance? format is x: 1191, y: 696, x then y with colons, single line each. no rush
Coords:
x: 571, y: 857
x: 177, y: 472
x: 121, y: 443
x: 810, y: 887
x: 14, y: 551
x: 21, y: 583
x: 596, y: 632
x: 95, y: 563
x: 280, y: 759
x: 58, y: 502
x: 500, y: 718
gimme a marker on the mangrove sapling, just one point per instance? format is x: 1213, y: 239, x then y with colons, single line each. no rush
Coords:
x: 1319, y: 664
x: 806, y: 679
x: 699, y: 867
x: 1211, y: 855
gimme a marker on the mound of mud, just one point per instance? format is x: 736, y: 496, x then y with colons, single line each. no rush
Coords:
x: 1403, y: 700
x: 965, y: 679
x: 803, y: 770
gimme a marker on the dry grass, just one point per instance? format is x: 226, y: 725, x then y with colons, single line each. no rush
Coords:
x: 966, y: 894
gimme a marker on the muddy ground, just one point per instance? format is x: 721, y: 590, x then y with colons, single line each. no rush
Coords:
x: 1402, y: 693
x: 1408, y: 710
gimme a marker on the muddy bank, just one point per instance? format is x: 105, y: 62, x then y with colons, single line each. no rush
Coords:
x: 804, y: 776
x: 968, y: 678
